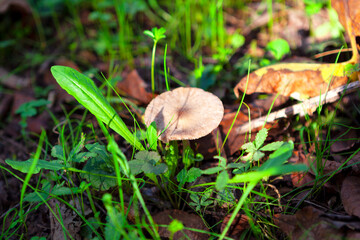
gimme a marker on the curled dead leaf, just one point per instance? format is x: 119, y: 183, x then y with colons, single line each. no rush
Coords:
x: 298, y: 80
x: 350, y: 13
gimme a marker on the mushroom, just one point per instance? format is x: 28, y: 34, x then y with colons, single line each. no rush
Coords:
x: 184, y: 113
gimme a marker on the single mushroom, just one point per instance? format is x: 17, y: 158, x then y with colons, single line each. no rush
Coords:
x: 184, y: 113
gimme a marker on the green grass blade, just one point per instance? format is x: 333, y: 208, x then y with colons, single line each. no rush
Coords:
x: 86, y: 93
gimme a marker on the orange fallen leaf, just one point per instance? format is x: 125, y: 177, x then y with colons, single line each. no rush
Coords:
x: 304, y: 80
x: 135, y: 87
x: 349, y: 16
x: 240, y: 223
x: 297, y: 80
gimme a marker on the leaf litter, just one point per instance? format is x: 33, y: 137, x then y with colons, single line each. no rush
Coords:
x: 321, y: 223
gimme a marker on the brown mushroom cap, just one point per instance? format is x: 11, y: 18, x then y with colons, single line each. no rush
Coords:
x: 184, y: 113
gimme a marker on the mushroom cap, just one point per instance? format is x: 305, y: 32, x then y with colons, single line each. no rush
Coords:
x: 184, y: 113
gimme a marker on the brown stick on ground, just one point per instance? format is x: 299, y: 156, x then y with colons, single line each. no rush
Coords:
x: 308, y: 106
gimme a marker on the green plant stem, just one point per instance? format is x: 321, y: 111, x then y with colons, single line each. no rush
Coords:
x: 220, y: 22
x: 165, y: 70
x: 270, y: 13
x: 59, y: 199
x: 123, y: 163
x: 237, y: 112
x: 245, y: 194
x: 31, y: 170
x: 153, y: 67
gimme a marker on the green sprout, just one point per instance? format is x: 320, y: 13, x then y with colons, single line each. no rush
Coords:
x: 156, y: 34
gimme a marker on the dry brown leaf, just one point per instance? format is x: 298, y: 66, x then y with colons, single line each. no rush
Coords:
x: 300, y: 179
x: 13, y: 81
x: 355, y: 163
x: 5, y: 105
x: 350, y: 195
x: 234, y: 140
x: 68, y: 218
x: 187, y: 219
x: 304, y: 80
x: 352, y: 10
x: 209, y: 145
x: 344, y: 142
x: 297, y: 80
x: 135, y: 87
x: 240, y: 223
x: 307, y: 224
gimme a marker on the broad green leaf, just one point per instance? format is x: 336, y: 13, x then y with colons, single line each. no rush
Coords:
x: 61, y: 190
x: 58, y: 152
x: 272, y: 146
x: 24, y: 166
x: 272, y: 171
x: 97, y: 148
x: 149, y: 33
x: 99, y: 174
x: 111, y: 231
x: 147, y: 156
x: 136, y: 166
x: 83, y: 156
x: 280, y: 156
x: 181, y: 176
x: 34, y: 197
x: 222, y: 161
x: 195, y: 198
x: 175, y: 226
x: 249, y: 147
x: 28, y: 109
x: 193, y: 174
x: 221, y: 180
x: 258, y: 155
x: 160, y: 169
x: 212, y: 170
x: 260, y: 138
x: 236, y: 165
x: 145, y: 161
x: 151, y: 135
x: 86, y: 93
x: 278, y: 47
x: 148, y: 167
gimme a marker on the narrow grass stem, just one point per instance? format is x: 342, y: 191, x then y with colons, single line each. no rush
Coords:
x: 165, y: 70
x: 31, y: 171
x: 153, y: 67
x: 245, y: 194
x: 238, y: 110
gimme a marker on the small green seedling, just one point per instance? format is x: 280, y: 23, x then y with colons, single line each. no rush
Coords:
x: 255, y: 149
x: 156, y: 34
x: 29, y: 109
x: 174, y: 227
x: 201, y: 202
x: 279, y: 48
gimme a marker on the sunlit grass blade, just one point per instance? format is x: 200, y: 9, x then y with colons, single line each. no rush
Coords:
x: 86, y: 93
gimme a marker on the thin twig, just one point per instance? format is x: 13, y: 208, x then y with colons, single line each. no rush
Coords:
x: 306, y: 107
